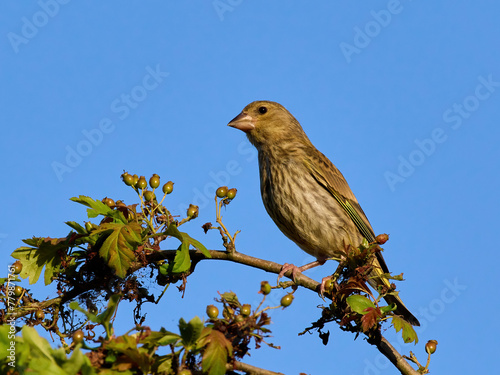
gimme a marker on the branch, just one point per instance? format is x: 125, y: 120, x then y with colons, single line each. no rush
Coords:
x: 249, y: 369
x: 300, y: 279
x: 265, y: 265
x: 392, y: 354
x: 379, y: 341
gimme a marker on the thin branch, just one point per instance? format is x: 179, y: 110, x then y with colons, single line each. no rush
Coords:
x: 392, y: 354
x: 249, y: 369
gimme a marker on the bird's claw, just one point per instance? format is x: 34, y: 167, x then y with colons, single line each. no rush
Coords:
x: 289, y: 267
x: 325, y: 285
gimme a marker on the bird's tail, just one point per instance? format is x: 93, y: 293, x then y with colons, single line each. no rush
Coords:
x: 376, y: 279
x: 402, y: 310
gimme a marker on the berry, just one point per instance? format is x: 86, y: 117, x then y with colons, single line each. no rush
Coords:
x: 192, y: 211
x: 120, y: 203
x: 39, y: 315
x: 287, y: 300
x: 221, y: 192
x: 231, y: 193
x: 382, y: 238
x: 136, y: 178
x: 149, y: 195
x: 108, y: 202
x: 18, y: 267
x: 78, y: 337
x: 239, y: 318
x: 430, y: 347
x: 141, y: 183
x: 329, y: 285
x: 154, y: 181
x: 185, y: 372
x: 246, y: 310
x: 265, y: 288
x: 128, y: 179
x: 168, y: 187
x: 212, y: 311
x: 18, y: 290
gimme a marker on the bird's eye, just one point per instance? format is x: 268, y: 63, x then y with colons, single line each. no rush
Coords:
x: 262, y: 110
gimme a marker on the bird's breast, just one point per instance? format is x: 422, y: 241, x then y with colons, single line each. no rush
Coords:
x: 303, y: 210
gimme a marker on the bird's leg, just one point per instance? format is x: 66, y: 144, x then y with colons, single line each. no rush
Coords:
x: 297, y: 270
x: 327, y: 279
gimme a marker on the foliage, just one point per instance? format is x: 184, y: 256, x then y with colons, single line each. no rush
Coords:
x: 114, y: 256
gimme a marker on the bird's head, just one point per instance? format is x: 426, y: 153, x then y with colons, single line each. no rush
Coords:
x: 267, y: 123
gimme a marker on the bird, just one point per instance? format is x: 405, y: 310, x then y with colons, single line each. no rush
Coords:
x: 307, y: 197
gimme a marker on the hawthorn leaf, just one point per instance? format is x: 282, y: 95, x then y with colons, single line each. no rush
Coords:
x: 359, y: 303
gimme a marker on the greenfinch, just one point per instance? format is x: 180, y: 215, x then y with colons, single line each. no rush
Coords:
x: 305, y: 194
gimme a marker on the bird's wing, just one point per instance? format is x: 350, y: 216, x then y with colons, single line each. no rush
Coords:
x: 330, y: 178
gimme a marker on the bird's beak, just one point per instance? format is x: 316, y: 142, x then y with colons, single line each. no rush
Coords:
x: 243, y: 122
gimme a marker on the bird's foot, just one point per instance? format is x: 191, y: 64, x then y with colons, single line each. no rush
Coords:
x: 289, y: 267
x: 326, y: 285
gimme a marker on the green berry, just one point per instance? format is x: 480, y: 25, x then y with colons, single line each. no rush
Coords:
x: 149, y: 195
x: 430, y: 347
x: 18, y: 267
x: 39, y: 315
x: 128, y: 179
x: 154, y: 181
x: 287, y: 300
x: 329, y: 284
x: 212, y: 311
x: 168, y: 187
x: 18, y: 290
x: 221, y: 192
x: 231, y: 193
x: 192, y: 211
x: 185, y: 372
x: 246, y: 310
x: 239, y: 318
x: 265, y: 288
x: 78, y: 337
x: 136, y: 178
x: 141, y: 183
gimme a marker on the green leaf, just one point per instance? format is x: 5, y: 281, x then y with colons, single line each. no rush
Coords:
x: 408, y: 333
x: 386, y: 309
x: 119, y: 246
x: 79, y: 229
x: 34, y: 353
x: 105, y: 317
x: 190, y: 332
x: 98, y: 208
x: 184, y: 237
x: 182, y: 260
x: 90, y: 316
x: 196, y: 244
x: 359, y: 303
x: 216, y: 353
x: 46, y: 252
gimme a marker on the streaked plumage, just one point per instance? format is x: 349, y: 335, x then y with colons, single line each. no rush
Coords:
x: 303, y: 192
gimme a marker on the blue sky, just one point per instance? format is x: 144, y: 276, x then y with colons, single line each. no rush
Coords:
x: 403, y: 96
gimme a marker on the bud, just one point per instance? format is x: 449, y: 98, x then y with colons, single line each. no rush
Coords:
x: 382, y: 238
